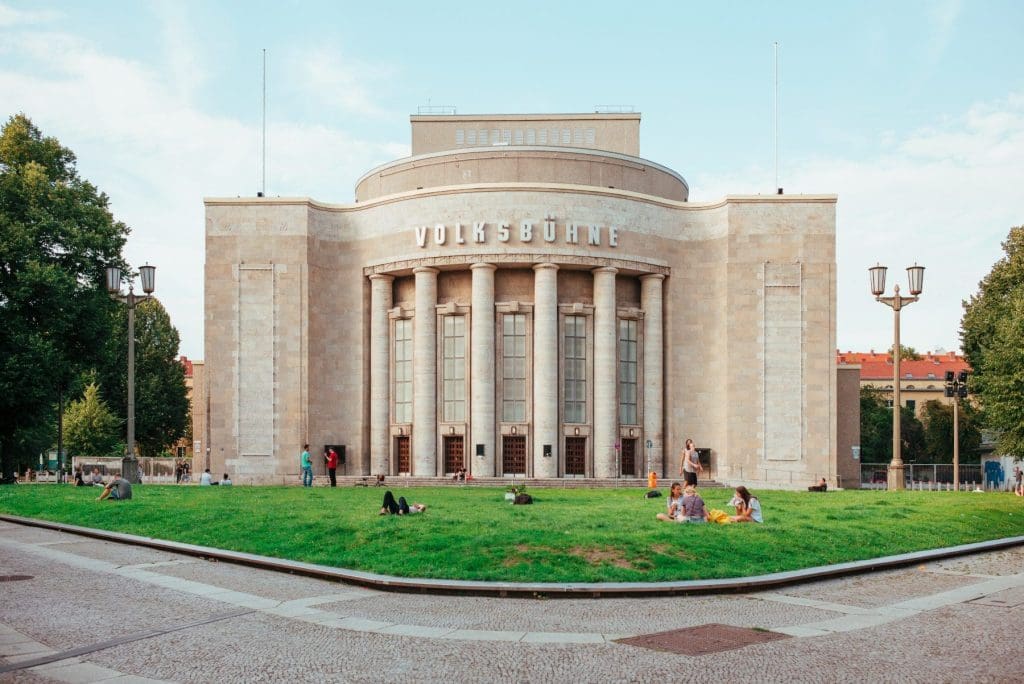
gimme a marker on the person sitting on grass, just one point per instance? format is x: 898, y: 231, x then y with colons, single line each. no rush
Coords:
x: 694, y: 510
x: 822, y: 486
x: 205, y: 480
x: 118, y: 489
x: 401, y: 507
x: 748, y: 508
x: 97, y: 479
x: 226, y: 482
x: 79, y: 478
x: 674, y: 505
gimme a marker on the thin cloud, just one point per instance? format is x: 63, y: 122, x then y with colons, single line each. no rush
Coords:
x: 327, y: 75
x: 10, y: 16
x: 141, y: 139
x: 945, y: 197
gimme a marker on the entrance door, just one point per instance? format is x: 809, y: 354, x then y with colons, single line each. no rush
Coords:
x: 513, y: 455
x: 453, y: 454
x: 402, y: 447
x: 629, y: 457
x: 575, y: 455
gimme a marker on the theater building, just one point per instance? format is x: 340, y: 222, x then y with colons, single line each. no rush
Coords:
x: 523, y: 296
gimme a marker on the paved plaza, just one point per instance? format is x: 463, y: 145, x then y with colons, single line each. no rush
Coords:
x: 95, y: 610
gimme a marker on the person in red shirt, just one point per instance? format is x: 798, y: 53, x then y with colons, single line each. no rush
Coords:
x: 332, y: 466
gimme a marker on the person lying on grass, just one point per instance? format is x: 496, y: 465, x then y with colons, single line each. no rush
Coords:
x: 391, y: 507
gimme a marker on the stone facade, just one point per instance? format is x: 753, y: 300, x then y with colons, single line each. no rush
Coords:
x: 534, y: 323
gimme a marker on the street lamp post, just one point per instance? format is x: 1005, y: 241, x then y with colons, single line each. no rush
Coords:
x: 130, y: 464
x: 915, y: 276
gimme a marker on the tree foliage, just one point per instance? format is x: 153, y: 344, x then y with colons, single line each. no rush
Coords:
x: 876, y: 430
x: 161, y: 398
x: 992, y: 330
x: 57, y: 236
x: 907, y: 353
x: 937, y: 418
x: 90, y: 428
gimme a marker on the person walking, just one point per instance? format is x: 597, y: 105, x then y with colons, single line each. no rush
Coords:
x: 689, y: 464
x: 332, y: 465
x: 307, y: 467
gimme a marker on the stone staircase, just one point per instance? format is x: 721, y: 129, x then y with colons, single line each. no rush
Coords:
x: 530, y: 483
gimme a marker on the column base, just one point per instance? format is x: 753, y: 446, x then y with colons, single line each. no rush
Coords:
x: 130, y: 469
x: 896, y: 477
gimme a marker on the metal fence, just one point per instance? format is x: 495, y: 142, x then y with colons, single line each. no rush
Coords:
x: 928, y: 476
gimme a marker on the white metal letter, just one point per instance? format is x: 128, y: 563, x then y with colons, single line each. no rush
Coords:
x: 478, y: 231
x: 421, y: 236
x: 549, y: 228
x: 594, y: 234
x: 440, y: 233
x: 459, y: 240
x: 613, y: 236
x: 571, y: 235
x: 503, y: 232
x: 526, y: 231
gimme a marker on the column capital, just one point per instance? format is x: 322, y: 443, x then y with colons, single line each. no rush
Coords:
x: 483, y: 265
x: 425, y: 270
x: 382, y: 276
x: 545, y: 266
x: 605, y: 269
x: 653, y: 276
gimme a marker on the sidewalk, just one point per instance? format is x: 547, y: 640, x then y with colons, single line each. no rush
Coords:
x: 103, y: 611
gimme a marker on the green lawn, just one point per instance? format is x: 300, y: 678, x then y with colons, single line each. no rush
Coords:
x: 566, y: 535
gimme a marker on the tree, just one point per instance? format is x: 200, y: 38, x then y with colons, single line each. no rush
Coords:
x: 938, y: 431
x: 992, y: 330
x: 907, y: 353
x: 876, y: 430
x: 161, y: 397
x: 90, y: 428
x: 875, y: 427
x: 57, y: 236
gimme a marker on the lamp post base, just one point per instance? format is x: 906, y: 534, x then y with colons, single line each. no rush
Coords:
x: 896, y: 477
x: 130, y: 469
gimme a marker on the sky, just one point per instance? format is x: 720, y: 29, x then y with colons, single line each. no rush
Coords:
x: 911, y: 112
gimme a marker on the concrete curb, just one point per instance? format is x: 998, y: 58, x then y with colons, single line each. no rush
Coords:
x: 528, y: 589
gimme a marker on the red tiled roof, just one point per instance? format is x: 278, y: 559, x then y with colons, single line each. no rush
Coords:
x: 878, y: 366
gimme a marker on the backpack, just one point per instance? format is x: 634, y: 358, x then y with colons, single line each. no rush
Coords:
x: 653, y: 494
x: 522, y: 499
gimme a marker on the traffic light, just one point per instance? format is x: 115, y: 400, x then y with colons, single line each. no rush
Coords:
x: 963, y: 377
x: 950, y: 376
x: 963, y: 391
x: 949, y: 390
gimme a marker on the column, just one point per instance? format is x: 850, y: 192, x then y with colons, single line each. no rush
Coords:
x: 606, y: 414
x: 545, y: 370
x: 380, y: 374
x: 483, y: 362
x: 424, y: 375
x: 653, y: 389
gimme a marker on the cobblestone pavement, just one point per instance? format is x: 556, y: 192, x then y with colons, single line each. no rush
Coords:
x: 102, y: 611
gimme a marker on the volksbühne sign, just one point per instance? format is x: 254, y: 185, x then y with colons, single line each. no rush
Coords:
x: 528, y: 231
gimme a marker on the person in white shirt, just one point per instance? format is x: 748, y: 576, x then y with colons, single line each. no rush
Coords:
x: 204, y: 479
x: 226, y: 482
x: 748, y: 508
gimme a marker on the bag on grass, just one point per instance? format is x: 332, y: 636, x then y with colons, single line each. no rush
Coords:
x: 717, y: 516
x: 522, y: 499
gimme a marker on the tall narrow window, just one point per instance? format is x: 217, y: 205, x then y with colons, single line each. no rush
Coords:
x: 453, y: 372
x: 513, y: 378
x: 575, y: 345
x: 403, y: 370
x: 627, y: 372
